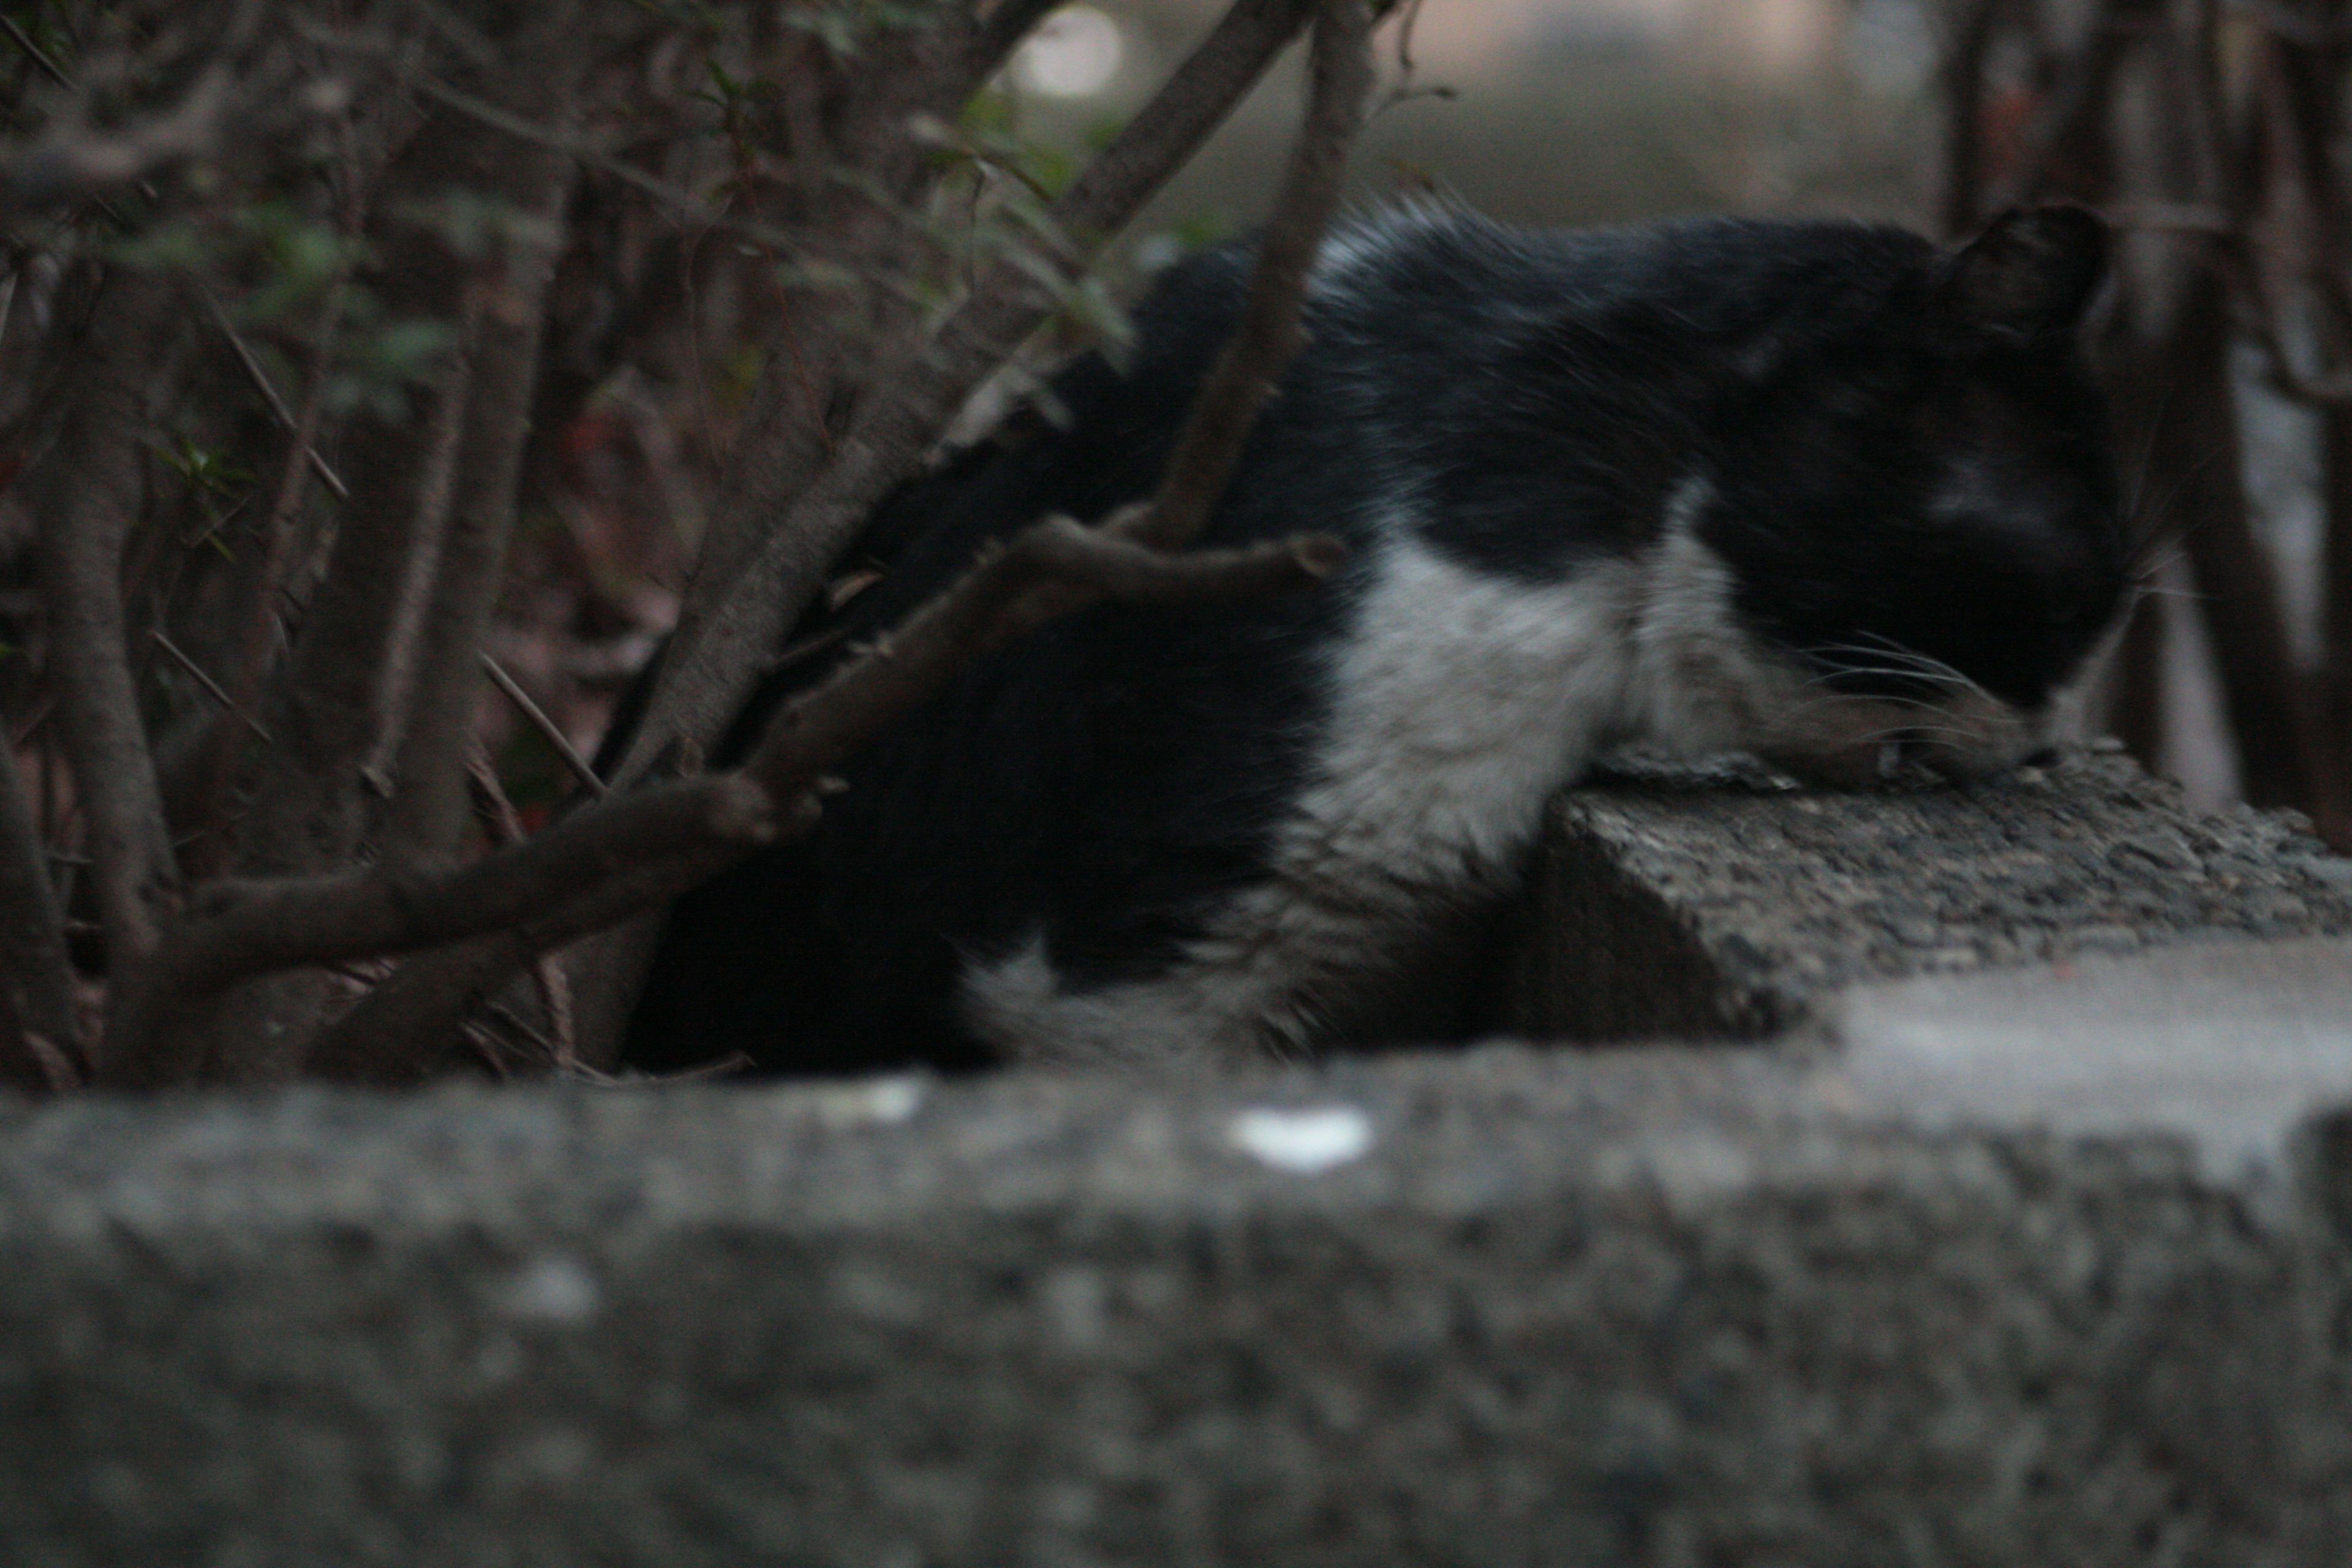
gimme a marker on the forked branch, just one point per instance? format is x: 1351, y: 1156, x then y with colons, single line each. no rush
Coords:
x: 422, y: 1003
x: 614, y: 861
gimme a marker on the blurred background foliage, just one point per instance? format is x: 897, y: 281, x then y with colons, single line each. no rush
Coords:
x: 1540, y: 111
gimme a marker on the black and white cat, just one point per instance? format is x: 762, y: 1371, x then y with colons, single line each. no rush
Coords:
x: 1805, y: 490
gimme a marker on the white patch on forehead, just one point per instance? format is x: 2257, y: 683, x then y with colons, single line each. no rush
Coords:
x: 1461, y: 702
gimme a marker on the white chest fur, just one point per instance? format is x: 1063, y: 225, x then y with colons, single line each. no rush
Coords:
x: 1461, y: 702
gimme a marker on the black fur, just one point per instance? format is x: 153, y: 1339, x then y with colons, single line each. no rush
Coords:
x: 1525, y: 404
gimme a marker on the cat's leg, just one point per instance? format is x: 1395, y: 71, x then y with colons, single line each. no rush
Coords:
x: 1273, y: 971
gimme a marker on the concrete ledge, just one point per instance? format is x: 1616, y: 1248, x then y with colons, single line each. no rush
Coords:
x: 2024, y: 1243
x: 1655, y: 1307
x: 1726, y: 903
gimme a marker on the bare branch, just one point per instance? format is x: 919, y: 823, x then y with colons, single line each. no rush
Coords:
x: 1245, y: 373
x: 293, y: 424
x: 198, y: 792
x: 238, y: 931
x: 85, y: 491
x: 1963, y: 78
x: 549, y: 731
x: 628, y: 855
x: 1047, y: 571
x: 196, y: 673
x: 429, y: 812
x: 2195, y: 459
x: 736, y: 613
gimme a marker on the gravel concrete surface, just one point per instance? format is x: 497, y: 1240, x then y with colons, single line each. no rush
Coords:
x: 2024, y: 1243
x: 1727, y: 901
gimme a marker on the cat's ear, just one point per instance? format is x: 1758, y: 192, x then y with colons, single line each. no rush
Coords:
x: 2025, y: 282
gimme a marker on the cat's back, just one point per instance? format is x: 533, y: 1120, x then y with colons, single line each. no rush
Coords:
x: 1208, y: 812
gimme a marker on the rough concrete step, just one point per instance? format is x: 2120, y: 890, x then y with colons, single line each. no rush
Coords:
x: 1986, y: 1261
x: 1725, y: 901
x: 1644, y: 1306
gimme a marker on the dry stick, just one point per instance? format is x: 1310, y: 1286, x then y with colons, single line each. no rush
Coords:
x: 345, y: 686
x: 216, y: 762
x: 2243, y: 610
x: 627, y: 855
x: 429, y: 813
x: 86, y: 490
x: 1271, y: 333
x: 779, y: 523
x: 549, y: 731
x: 197, y: 672
x: 826, y: 726
x: 2311, y: 121
x: 36, y: 999
x: 1047, y: 571
x: 718, y: 651
x: 303, y: 425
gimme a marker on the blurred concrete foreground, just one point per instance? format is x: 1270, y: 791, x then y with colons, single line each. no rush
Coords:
x: 2014, y: 1233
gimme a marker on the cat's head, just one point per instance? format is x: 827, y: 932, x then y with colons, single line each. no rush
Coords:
x: 1913, y: 524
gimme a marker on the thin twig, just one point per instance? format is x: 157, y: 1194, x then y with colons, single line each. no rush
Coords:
x: 1223, y: 415
x: 197, y: 672
x: 548, y: 729
x: 286, y: 419
x: 39, y: 55
x: 605, y: 863
x: 728, y: 628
